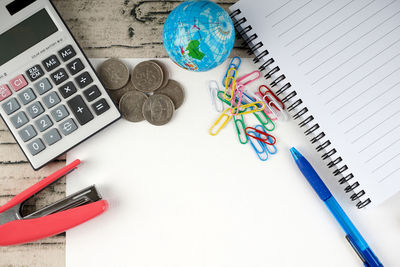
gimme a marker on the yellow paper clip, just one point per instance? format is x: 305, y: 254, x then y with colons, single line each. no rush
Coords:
x: 249, y: 108
x: 230, y: 77
x: 225, y: 117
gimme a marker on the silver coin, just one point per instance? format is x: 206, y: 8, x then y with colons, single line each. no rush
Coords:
x: 114, y: 74
x: 158, y: 109
x: 117, y: 94
x: 174, y: 91
x: 131, y: 105
x: 165, y: 72
x: 147, y: 76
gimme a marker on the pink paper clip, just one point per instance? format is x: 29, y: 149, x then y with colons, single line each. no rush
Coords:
x: 239, y: 90
x: 270, y: 96
x: 256, y: 75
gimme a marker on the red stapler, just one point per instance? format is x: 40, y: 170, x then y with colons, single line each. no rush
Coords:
x: 51, y: 220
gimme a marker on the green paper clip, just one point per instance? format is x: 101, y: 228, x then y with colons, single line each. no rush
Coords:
x: 240, y: 129
x: 265, y: 121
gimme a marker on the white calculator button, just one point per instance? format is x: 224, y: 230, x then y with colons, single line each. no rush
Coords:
x: 11, y: 106
x: 27, y: 133
x: 51, y: 99
x: 59, y: 113
x: 35, y: 110
x: 19, y: 119
x: 43, y: 86
x: 43, y: 123
x: 27, y: 96
x: 36, y: 146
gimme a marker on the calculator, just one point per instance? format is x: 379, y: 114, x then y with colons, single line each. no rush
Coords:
x: 50, y: 96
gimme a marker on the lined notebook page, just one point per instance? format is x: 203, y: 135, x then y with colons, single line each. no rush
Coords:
x: 343, y: 59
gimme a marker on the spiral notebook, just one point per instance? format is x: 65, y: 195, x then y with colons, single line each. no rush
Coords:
x: 336, y: 64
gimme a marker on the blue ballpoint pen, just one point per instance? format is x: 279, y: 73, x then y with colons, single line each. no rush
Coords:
x: 352, y: 235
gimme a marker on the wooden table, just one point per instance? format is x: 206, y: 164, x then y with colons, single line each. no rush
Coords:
x: 104, y: 28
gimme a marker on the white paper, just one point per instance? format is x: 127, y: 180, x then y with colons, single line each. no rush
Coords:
x: 179, y: 197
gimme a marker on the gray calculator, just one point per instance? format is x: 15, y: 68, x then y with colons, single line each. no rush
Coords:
x: 50, y: 96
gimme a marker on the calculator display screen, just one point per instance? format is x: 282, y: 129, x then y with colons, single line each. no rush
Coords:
x: 25, y: 35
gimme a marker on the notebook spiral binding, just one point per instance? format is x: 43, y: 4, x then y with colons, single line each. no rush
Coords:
x: 296, y: 108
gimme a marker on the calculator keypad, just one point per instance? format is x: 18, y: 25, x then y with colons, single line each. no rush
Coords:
x: 39, y: 112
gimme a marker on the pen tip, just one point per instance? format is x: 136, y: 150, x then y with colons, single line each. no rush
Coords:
x: 295, y: 154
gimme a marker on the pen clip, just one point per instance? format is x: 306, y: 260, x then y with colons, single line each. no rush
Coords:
x: 356, y: 249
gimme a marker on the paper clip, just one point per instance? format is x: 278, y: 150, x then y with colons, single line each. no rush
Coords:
x: 265, y: 121
x: 242, y: 80
x: 254, y: 107
x: 270, y: 107
x: 260, y: 150
x: 275, y: 150
x: 268, y: 96
x: 225, y: 118
x: 240, y: 129
x: 214, y: 89
x: 269, y: 139
x: 230, y: 78
x: 231, y: 65
x: 220, y: 97
x: 237, y: 99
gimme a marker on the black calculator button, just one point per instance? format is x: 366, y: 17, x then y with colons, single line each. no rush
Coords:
x: 80, y: 110
x: 84, y: 79
x: 51, y: 63
x: 59, y: 76
x: 100, y: 106
x: 92, y: 93
x: 35, y: 73
x: 75, y: 66
x: 67, y: 53
x: 67, y: 89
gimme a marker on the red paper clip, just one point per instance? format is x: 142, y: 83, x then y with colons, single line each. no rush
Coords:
x: 262, y: 133
x: 267, y: 96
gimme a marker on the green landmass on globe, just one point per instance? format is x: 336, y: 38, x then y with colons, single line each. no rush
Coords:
x: 194, y: 51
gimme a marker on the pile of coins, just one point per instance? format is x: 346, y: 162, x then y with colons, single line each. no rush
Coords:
x: 145, y: 94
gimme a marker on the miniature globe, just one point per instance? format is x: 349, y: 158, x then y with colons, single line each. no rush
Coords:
x: 198, y: 35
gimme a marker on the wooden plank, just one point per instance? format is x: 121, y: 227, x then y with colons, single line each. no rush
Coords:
x: 104, y: 28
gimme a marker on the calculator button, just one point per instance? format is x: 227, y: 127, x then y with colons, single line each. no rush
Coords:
x: 52, y: 137
x: 80, y: 110
x: 100, y: 106
x: 4, y: 92
x: 92, y: 93
x: 59, y: 113
x: 84, y: 79
x: 68, y: 127
x: 35, y: 110
x: 59, y: 76
x: 43, y: 86
x: 19, y: 119
x: 43, y: 123
x: 67, y: 53
x: 51, y: 99
x: 36, y: 146
x: 75, y: 66
x: 11, y: 106
x: 27, y: 133
x: 67, y: 89
x: 18, y: 83
x: 51, y: 63
x: 27, y: 96
x: 35, y: 73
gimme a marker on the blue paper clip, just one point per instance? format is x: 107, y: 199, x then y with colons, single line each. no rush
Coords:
x: 267, y: 150
x: 231, y: 64
x: 259, y: 149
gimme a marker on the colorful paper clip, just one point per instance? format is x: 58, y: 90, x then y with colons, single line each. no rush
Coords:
x: 230, y: 82
x: 269, y: 139
x: 232, y: 64
x: 215, y: 101
x: 221, y: 121
x: 268, y: 96
x: 259, y: 149
x: 240, y: 129
x: 272, y: 152
x: 253, y: 107
x: 247, y: 78
x: 237, y: 99
x: 220, y: 97
x: 265, y: 121
x: 275, y: 109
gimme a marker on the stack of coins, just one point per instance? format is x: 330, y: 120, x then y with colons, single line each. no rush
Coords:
x: 145, y: 94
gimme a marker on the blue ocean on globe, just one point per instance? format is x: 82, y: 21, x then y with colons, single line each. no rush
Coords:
x: 198, y: 35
